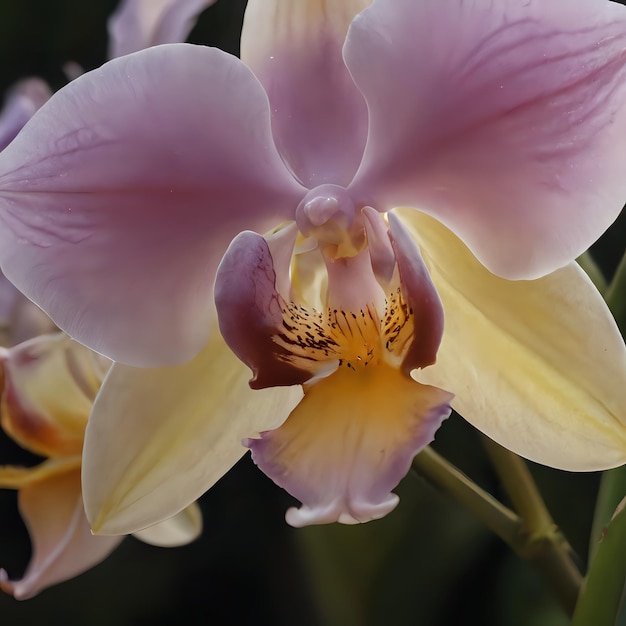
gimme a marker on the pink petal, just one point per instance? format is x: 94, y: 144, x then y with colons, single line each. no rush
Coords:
x: 114, y: 224
x: 63, y: 546
x: 319, y: 118
x: 138, y: 24
x: 20, y: 105
x: 504, y: 119
x: 349, y: 442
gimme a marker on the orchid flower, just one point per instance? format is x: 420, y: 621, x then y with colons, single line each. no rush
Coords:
x: 20, y: 105
x: 50, y: 383
x: 139, y: 24
x: 311, y: 212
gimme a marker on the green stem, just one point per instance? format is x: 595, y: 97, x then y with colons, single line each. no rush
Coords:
x: 612, y: 490
x: 443, y: 475
x: 545, y: 545
x: 519, y: 486
x: 533, y: 535
x: 613, y: 482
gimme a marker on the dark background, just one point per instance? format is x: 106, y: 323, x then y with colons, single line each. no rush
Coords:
x: 428, y: 563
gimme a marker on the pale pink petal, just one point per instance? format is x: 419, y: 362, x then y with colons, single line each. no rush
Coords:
x: 179, y: 530
x: 319, y: 118
x: 252, y: 314
x: 382, y: 255
x: 504, y: 119
x: 63, y: 546
x: 352, y: 285
x: 138, y: 24
x: 20, y: 105
x: 159, y: 438
x: 349, y: 442
x: 537, y: 365
x: 115, y: 223
x: 50, y: 383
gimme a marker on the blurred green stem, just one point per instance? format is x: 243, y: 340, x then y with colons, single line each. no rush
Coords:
x: 613, y: 482
x: 544, y: 545
x: 443, y: 475
x: 532, y: 534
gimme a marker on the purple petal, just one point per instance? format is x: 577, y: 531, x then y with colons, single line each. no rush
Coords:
x: 251, y: 312
x: 114, y: 224
x: 139, y: 24
x: 504, y: 119
x: 319, y: 117
x: 63, y: 546
x: 421, y: 297
x: 349, y: 442
x: 21, y: 104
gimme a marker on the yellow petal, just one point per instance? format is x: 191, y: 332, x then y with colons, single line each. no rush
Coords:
x: 15, y: 477
x: 50, y: 383
x: 179, y: 530
x: 539, y: 366
x: 350, y: 441
x: 159, y: 438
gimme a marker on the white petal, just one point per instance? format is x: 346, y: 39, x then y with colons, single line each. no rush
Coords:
x: 179, y: 530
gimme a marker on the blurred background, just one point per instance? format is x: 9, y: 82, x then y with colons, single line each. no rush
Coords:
x: 429, y: 563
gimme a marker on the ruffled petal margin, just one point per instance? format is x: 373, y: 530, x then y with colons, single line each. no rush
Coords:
x: 539, y: 366
x: 157, y: 439
x: 503, y: 119
x: 349, y: 442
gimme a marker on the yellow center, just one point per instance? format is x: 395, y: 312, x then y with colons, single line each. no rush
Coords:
x: 354, y: 339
